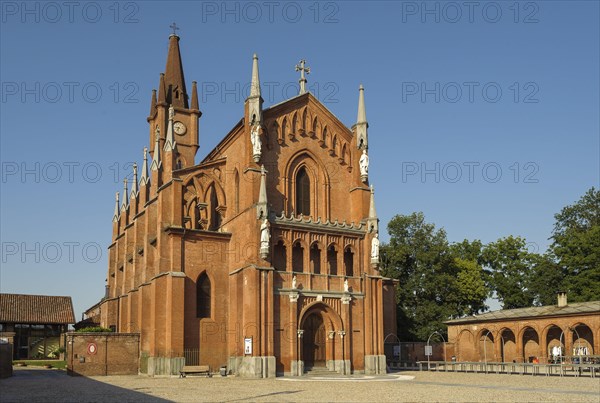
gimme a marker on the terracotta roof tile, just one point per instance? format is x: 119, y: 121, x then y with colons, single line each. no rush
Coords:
x: 549, y: 310
x: 43, y: 309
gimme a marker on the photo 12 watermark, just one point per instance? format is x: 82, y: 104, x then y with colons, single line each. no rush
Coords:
x: 50, y: 252
x: 69, y: 12
x: 271, y: 91
x: 254, y: 12
x: 470, y: 12
x: 69, y: 92
x: 470, y: 92
x: 469, y: 172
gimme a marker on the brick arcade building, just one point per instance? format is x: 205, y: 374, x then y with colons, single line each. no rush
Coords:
x: 528, y: 334
x: 264, y: 256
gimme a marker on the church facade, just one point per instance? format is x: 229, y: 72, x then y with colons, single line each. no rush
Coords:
x: 264, y: 256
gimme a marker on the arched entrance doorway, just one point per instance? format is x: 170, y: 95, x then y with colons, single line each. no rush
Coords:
x: 321, y: 347
x: 508, y: 348
x: 314, y: 342
x: 531, y: 345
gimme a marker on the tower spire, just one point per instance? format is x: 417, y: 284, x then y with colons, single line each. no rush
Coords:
x: 134, y: 184
x: 153, y: 103
x: 170, y: 144
x: 144, y: 178
x: 125, y: 200
x: 361, y: 121
x: 195, y: 105
x: 174, y: 79
x: 372, y: 220
x: 262, y: 210
x: 156, y: 163
x: 116, y: 214
x: 162, y: 90
x: 255, y: 100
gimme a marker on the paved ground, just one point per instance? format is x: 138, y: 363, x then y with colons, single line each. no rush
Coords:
x: 39, y: 385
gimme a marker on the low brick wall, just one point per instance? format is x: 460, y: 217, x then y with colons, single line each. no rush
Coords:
x: 92, y: 354
x: 6, y: 356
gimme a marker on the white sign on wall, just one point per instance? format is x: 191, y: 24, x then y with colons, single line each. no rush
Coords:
x: 428, y: 350
x: 248, y: 346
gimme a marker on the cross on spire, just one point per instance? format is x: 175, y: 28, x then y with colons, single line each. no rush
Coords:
x: 174, y: 27
x: 301, y: 67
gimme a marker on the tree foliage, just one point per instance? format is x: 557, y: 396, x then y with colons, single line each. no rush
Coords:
x: 576, y: 247
x: 435, y: 285
x: 439, y: 281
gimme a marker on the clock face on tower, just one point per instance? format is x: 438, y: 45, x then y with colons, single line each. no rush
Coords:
x: 179, y: 128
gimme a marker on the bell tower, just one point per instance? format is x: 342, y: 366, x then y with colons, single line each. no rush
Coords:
x: 175, y: 111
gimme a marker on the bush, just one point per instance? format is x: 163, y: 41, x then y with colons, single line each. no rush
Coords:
x: 94, y: 329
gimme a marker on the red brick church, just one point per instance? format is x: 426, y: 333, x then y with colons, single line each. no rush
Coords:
x: 264, y: 256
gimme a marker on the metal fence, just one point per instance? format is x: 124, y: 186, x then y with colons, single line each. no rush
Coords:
x: 192, y: 356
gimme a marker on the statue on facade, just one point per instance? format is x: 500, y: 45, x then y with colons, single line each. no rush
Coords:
x: 294, y: 282
x: 364, y: 165
x: 256, y: 143
x: 265, y: 236
x: 346, y: 287
x: 375, y: 248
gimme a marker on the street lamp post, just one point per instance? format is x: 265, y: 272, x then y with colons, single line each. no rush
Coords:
x: 428, y: 345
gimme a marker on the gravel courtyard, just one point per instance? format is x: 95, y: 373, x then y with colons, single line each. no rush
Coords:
x: 42, y: 385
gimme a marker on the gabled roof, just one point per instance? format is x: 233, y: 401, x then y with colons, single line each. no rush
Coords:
x: 36, y: 309
x: 306, y: 97
x: 577, y: 308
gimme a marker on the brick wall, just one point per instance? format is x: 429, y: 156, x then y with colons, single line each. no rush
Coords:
x: 92, y: 354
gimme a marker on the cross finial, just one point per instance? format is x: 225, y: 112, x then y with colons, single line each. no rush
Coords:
x: 174, y: 27
x: 301, y: 67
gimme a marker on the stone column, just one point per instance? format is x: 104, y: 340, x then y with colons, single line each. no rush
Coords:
x: 296, y: 364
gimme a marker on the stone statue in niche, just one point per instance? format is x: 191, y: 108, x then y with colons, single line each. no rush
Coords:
x: 256, y: 143
x: 265, y: 236
x: 375, y: 248
x: 364, y: 165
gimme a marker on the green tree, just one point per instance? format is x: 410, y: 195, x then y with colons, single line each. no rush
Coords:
x: 576, y: 246
x: 509, y: 271
x: 470, y: 286
x: 434, y: 285
x: 546, y: 279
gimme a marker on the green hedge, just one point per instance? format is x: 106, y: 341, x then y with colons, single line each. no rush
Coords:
x: 94, y: 329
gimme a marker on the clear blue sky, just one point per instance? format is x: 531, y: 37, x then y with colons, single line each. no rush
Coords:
x: 453, y: 95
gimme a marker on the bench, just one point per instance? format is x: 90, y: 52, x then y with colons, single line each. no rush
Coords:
x: 195, y: 369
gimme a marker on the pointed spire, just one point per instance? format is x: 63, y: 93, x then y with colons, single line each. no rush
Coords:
x: 195, y: 104
x: 125, y: 199
x: 134, y: 184
x: 116, y: 214
x: 362, y: 113
x: 145, y: 178
x: 156, y: 163
x: 254, y: 99
x: 372, y: 220
x: 162, y: 89
x: 372, y: 212
x: 262, y: 211
x: 153, y: 103
x: 174, y: 78
x: 255, y: 84
x: 170, y: 144
x: 362, y: 139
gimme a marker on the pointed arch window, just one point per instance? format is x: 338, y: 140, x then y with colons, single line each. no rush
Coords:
x: 203, y: 293
x: 302, y: 192
x: 215, y: 216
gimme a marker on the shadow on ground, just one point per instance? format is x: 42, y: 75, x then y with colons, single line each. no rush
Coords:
x: 51, y: 385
